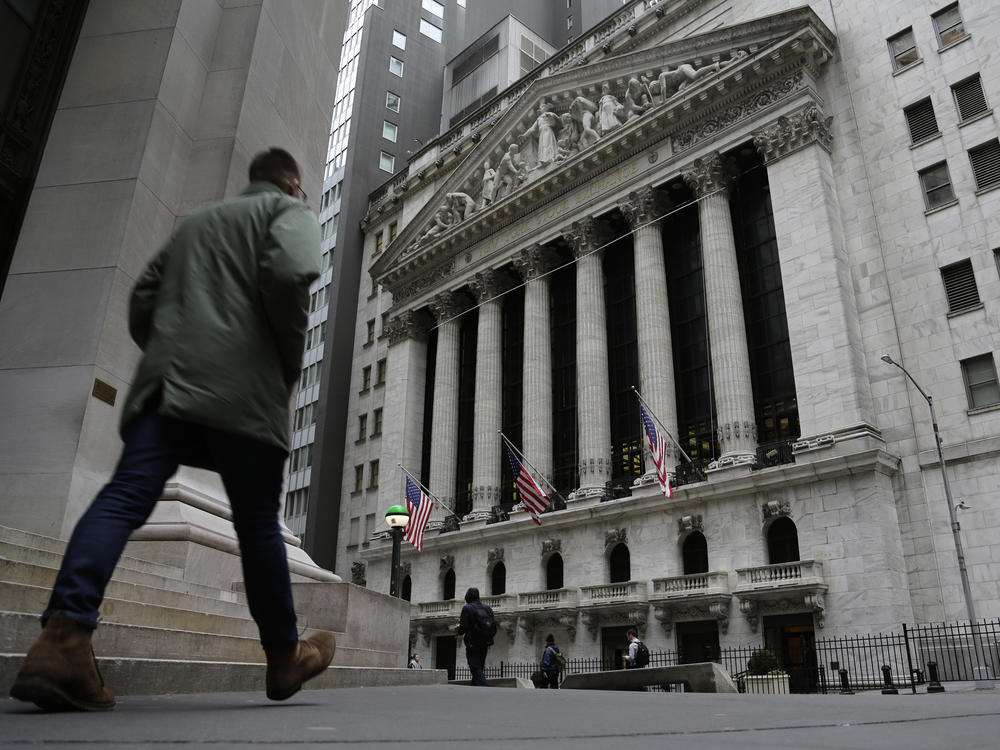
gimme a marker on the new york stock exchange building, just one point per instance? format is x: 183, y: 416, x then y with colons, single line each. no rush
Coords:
x: 737, y: 211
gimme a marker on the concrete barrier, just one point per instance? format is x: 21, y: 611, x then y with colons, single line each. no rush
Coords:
x: 704, y: 677
x: 504, y: 682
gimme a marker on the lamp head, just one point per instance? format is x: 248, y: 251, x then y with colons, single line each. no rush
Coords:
x: 397, y: 517
x: 887, y: 359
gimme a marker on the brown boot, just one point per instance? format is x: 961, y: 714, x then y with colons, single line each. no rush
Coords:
x: 287, y: 669
x: 60, y: 672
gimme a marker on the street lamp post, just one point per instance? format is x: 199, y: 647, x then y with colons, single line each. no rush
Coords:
x: 396, y: 517
x: 981, y: 672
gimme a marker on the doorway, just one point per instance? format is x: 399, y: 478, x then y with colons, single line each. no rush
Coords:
x: 793, y: 639
x: 444, y: 654
x: 614, y: 646
x: 697, y: 641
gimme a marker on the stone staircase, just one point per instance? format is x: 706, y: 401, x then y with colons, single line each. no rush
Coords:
x: 160, y: 633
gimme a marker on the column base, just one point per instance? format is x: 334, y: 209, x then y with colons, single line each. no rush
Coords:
x: 477, y: 515
x: 588, y: 493
x: 729, y: 460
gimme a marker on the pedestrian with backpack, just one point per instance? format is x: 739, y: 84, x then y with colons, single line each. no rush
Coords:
x: 638, y: 655
x: 553, y: 663
x: 477, y: 626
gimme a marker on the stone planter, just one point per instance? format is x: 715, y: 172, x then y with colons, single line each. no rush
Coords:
x: 766, y: 683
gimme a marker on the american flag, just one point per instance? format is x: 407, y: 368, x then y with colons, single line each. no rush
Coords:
x: 534, y: 498
x: 420, y: 507
x: 658, y: 447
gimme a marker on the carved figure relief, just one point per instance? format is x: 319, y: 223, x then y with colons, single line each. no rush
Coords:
x: 447, y: 562
x: 489, y: 185
x: 358, y: 573
x: 551, y: 545
x: 615, y: 536
x: 609, y: 111
x: 511, y: 172
x: 544, y: 131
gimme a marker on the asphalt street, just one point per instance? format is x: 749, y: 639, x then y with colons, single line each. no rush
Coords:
x: 451, y: 716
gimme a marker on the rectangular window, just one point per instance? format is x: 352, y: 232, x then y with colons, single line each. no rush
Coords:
x: 392, y: 101
x: 949, y: 26
x: 387, y: 162
x: 980, y: 374
x: 373, y: 474
x: 396, y: 66
x: 969, y: 98
x: 903, y: 49
x: 985, y: 161
x: 398, y: 39
x: 392, y: 232
x: 366, y: 378
x: 461, y: 3
x: 359, y: 478
x: 389, y: 130
x: 433, y: 6
x: 370, y: 334
x: 429, y: 30
x: 569, y: 22
x: 960, y: 286
x: 378, y: 243
x: 376, y: 423
x: 936, y: 184
x: 921, y: 120
x: 380, y: 372
x: 362, y: 426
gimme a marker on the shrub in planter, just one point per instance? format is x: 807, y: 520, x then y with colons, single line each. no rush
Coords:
x: 763, y: 662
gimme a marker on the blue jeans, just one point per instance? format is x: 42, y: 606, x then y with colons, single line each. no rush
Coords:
x: 476, y: 656
x: 252, y: 473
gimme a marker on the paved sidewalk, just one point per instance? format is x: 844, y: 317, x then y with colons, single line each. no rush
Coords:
x: 451, y: 716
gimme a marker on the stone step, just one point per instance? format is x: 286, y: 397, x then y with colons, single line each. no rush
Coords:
x: 158, y: 677
x: 28, y: 547
x: 35, y: 574
x: 191, y: 614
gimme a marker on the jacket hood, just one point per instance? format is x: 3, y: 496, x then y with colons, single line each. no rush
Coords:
x: 472, y: 595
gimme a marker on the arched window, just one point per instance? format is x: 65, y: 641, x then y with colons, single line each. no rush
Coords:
x: 695, y: 553
x: 406, y: 590
x: 554, y: 573
x: 620, y: 564
x: 498, y: 579
x: 448, y: 585
x: 782, y: 541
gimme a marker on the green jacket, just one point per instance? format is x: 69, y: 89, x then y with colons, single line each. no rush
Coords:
x: 220, y: 315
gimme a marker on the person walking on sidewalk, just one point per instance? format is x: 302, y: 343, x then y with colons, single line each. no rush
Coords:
x: 552, y: 661
x: 220, y: 316
x: 477, y: 626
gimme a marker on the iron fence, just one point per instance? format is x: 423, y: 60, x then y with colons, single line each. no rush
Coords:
x: 900, y: 660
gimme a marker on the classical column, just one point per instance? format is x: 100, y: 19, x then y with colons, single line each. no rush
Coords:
x: 444, y: 427
x: 486, y: 448
x: 593, y: 400
x: 536, y: 385
x: 832, y: 391
x: 737, y: 427
x: 403, y: 413
x: 656, y: 362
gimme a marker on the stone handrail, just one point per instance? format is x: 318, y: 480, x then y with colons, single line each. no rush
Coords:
x: 556, y: 598
x: 607, y: 593
x: 781, y: 574
x: 691, y: 583
x: 501, y: 602
x: 447, y: 608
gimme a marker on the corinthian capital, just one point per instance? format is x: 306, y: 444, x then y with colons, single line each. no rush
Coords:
x: 642, y: 206
x: 788, y: 134
x: 407, y: 325
x: 708, y: 175
x: 534, y: 261
x: 585, y: 236
x: 447, y: 305
x: 489, y: 283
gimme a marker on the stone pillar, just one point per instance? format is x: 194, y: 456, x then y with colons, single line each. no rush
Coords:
x: 737, y: 427
x: 536, y: 404
x: 593, y: 402
x: 656, y: 362
x: 832, y: 390
x: 403, y: 414
x: 444, y: 427
x: 486, y: 448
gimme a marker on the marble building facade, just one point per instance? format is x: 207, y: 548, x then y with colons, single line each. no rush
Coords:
x: 721, y: 204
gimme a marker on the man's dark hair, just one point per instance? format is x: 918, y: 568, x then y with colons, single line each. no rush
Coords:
x: 632, y: 631
x: 275, y: 165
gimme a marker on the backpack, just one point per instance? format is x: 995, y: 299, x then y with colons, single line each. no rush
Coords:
x: 641, y: 654
x: 560, y: 660
x: 483, y: 626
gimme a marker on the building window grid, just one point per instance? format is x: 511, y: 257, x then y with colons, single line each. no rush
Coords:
x: 980, y: 376
x: 430, y: 31
x: 377, y: 422
x: 389, y: 130
x: 392, y: 101
x: 921, y: 121
x: 387, y: 162
x: 960, y: 286
x: 948, y: 25
x: 366, y: 378
x: 936, y: 184
x: 373, y: 474
x: 985, y: 161
x: 359, y: 478
x: 362, y: 427
x: 970, y: 101
x: 903, y: 48
x: 380, y: 369
x: 396, y: 66
x: 398, y: 39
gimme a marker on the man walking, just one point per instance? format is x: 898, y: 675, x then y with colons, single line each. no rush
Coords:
x: 478, y: 627
x: 638, y: 655
x: 220, y: 315
x: 551, y: 662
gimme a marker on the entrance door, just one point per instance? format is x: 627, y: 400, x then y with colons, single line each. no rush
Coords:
x: 614, y: 646
x: 793, y: 639
x: 444, y: 654
x: 697, y: 641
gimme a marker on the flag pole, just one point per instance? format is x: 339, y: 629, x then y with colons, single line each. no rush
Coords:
x: 665, y: 430
x: 427, y: 492
x: 530, y: 466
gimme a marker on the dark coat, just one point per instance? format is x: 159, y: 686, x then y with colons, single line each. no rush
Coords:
x: 220, y: 315
x: 549, y: 664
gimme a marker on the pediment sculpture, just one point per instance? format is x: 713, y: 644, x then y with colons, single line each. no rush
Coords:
x: 562, y: 128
